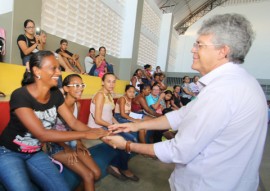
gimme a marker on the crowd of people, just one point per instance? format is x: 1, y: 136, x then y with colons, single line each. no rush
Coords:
x: 34, y: 40
x: 212, y: 150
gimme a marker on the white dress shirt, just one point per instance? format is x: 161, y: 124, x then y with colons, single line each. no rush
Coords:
x: 221, y: 134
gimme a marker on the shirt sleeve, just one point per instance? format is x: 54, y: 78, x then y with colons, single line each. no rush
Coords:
x: 19, y: 98
x: 198, y: 126
x: 58, y: 50
x: 149, y: 100
x: 175, y: 117
x: 21, y: 38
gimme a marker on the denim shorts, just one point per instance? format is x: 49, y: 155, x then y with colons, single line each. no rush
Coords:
x: 54, y: 148
x: 121, y: 119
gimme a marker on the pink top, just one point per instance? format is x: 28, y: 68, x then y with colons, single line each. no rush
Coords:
x: 102, y: 67
x: 107, y: 112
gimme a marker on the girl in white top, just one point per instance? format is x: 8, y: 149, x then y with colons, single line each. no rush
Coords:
x: 136, y: 80
x: 74, y: 154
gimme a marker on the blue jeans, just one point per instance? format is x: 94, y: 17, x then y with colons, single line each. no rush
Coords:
x: 132, y: 136
x: 122, y: 157
x: 26, y: 59
x: 18, y: 171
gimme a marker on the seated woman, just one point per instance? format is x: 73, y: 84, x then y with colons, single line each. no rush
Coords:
x: 123, y: 106
x: 154, y: 99
x: 147, y: 75
x: 166, y: 103
x: 164, y: 107
x: 195, y: 86
x: 101, y: 116
x: 139, y: 105
x: 74, y: 154
x: 176, y: 98
x: 187, y: 93
x: 163, y: 86
x: 33, y: 113
x: 136, y: 80
x: 122, y: 110
x: 101, y: 67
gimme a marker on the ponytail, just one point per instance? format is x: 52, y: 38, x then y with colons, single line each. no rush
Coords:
x: 35, y: 61
x: 28, y: 78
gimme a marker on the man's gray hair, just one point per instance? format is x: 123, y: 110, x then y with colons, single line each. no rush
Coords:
x: 232, y: 30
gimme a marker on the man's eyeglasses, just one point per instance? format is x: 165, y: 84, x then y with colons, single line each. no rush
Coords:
x: 197, y: 45
x: 77, y: 85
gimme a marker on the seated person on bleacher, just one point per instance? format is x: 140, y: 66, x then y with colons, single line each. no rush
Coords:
x: 187, y: 93
x: 196, y: 86
x: 155, y: 98
x: 139, y: 105
x: 71, y: 60
x: 162, y: 77
x: 123, y: 107
x: 100, y: 117
x: 136, y: 80
x: 73, y: 154
x: 89, y: 60
x: 42, y: 46
x: 176, y: 99
x: 33, y: 112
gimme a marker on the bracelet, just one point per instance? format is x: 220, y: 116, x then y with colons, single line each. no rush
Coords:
x: 128, y: 150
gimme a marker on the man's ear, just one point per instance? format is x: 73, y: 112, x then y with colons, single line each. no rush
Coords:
x: 224, y: 52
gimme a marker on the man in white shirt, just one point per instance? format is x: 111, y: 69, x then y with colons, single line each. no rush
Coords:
x: 89, y: 60
x: 221, y: 133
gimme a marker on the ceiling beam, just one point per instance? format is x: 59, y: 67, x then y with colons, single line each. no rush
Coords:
x: 168, y: 6
x: 194, y: 16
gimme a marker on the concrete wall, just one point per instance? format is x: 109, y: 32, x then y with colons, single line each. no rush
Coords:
x: 23, y: 10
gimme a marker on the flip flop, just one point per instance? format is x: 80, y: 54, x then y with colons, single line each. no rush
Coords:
x: 115, y: 174
x: 133, y: 177
x: 2, y: 94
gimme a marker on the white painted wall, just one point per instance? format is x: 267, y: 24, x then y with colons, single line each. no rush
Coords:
x: 257, y: 61
x: 6, y: 6
x: 164, y: 41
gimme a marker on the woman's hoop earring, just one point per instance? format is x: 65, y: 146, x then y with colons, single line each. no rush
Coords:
x: 38, y: 77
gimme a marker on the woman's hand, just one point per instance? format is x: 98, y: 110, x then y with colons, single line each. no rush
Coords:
x: 123, y: 127
x: 162, y: 96
x: 37, y: 38
x: 71, y: 155
x: 81, y: 148
x: 117, y: 142
x: 97, y: 133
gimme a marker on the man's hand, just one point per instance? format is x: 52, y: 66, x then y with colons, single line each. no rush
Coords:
x: 97, y: 133
x: 117, y: 142
x: 123, y: 127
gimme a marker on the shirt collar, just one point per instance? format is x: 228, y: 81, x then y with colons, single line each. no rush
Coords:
x: 208, y: 78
